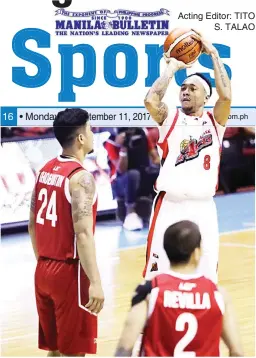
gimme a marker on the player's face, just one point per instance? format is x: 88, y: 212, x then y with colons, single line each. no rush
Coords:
x: 192, y: 95
x: 89, y: 138
x: 85, y: 137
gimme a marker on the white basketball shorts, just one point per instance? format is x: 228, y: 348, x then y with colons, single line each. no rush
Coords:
x: 165, y: 213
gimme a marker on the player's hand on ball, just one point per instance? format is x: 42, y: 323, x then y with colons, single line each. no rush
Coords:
x: 96, y: 298
x: 207, y: 47
x: 179, y: 65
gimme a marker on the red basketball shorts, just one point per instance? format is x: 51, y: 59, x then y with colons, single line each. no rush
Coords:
x: 61, y: 290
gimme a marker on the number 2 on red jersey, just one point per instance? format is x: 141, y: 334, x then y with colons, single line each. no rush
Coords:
x: 180, y: 326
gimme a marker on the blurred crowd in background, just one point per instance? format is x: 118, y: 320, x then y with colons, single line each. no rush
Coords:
x: 133, y: 164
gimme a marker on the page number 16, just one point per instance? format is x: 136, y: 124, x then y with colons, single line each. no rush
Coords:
x: 8, y: 116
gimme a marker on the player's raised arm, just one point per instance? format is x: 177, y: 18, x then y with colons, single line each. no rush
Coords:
x: 82, y: 190
x: 222, y: 81
x: 31, y: 224
x: 230, y: 331
x: 153, y: 100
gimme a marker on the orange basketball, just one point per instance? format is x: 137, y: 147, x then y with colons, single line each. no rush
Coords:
x: 180, y: 45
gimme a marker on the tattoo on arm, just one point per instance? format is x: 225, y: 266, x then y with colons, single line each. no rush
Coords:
x: 33, y: 202
x: 162, y: 110
x: 221, y: 70
x: 159, y: 87
x: 157, y: 108
x: 82, y: 197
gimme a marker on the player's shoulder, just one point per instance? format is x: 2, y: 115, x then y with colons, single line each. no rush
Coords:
x: 208, y: 117
x: 205, y: 281
x: 172, y: 115
x: 48, y: 164
x: 82, y: 174
x: 166, y: 127
x: 219, y: 293
x: 163, y: 281
x: 201, y: 283
x: 142, y: 291
x: 83, y: 178
x: 160, y: 278
x: 209, y: 114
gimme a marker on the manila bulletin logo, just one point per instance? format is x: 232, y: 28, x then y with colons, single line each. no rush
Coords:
x: 112, y: 23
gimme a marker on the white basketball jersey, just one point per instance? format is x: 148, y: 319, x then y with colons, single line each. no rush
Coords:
x: 189, y: 148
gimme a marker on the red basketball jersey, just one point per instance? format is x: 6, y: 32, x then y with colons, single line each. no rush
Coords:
x: 55, y: 236
x: 184, y: 317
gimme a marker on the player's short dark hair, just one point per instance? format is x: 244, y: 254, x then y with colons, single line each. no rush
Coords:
x: 66, y: 124
x: 180, y: 241
x: 204, y: 78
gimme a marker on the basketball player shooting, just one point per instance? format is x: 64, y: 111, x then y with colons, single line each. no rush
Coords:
x: 61, y: 226
x: 180, y: 312
x: 189, y: 146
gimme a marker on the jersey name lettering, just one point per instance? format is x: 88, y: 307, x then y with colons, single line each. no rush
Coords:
x: 51, y: 179
x: 186, y: 300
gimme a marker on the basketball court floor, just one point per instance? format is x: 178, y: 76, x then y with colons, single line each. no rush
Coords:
x: 121, y: 256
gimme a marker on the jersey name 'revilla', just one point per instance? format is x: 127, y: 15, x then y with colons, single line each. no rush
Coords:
x: 186, y: 300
